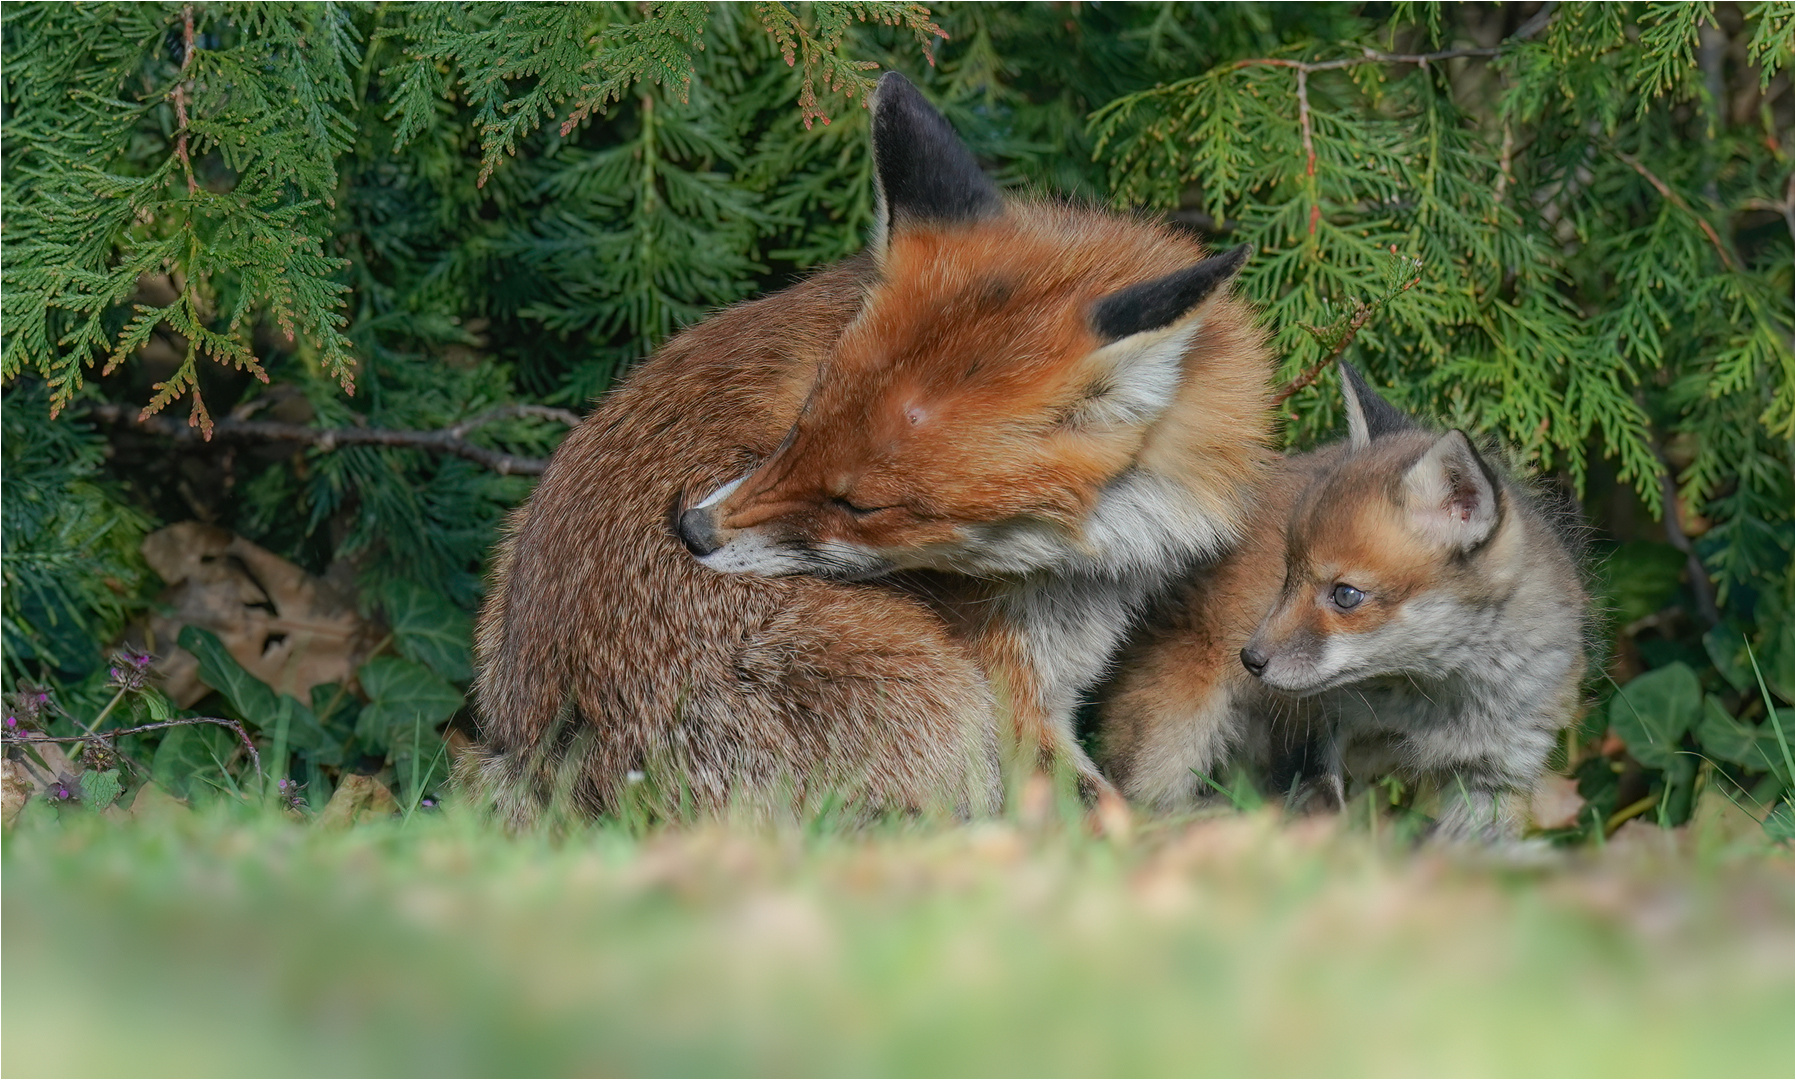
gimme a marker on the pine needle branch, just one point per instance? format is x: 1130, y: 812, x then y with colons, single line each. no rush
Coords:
x: 1677, y: 200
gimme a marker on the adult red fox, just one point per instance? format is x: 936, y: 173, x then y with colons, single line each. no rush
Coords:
x: 1023, y: 417
x: 1397, y: 605
x: 1042, y: 415
x: 608, y: 658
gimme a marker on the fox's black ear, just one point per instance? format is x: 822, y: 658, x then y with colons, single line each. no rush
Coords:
x: 922, y: 172
x: 1161, y: 302
x: 1453, y: 495
x: 1368, y: 415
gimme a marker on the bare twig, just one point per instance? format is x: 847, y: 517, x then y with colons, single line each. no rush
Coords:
x: 179, y: 95
x: 1314, y: 371
x: 1678, y: 201
x: 242, y: 735
x: 1349, y: 327
x: 1535, y: 24
x: 450, y: 440
x: 1373, y: 56
x: 1701, y: 588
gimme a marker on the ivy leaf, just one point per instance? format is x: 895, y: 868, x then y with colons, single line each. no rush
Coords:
x: 336, y: 709
x: 406, y: 704
x: 99, y: 789
x: 1781, y: 659
x: 1778, y: 824
x: 160, y: 708
x: 1752, y: 745
x: 402, y: 694
x: 1642, y: 577
x: 253, y: 699
x: 256, y: 702
x: 430, y: 629
x: 188, y: 760
x: 1726, y: 647
x: 1652, y: 713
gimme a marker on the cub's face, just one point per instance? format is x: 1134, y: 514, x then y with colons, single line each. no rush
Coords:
x: 1384, y: 571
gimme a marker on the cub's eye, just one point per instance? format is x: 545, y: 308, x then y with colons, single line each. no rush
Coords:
x: 1346, y: 597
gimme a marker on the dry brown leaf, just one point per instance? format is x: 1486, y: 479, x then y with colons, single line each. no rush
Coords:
x: 1556, y: 803
x: 357, y: 799
x: 286, y: 627
x: 152, y: 802
x: 41, y: 763
x: 15, y: 790
x: 461, y: 747
x: 1719, y: 820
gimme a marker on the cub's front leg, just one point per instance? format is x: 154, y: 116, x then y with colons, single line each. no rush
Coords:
x: 1485, y: 766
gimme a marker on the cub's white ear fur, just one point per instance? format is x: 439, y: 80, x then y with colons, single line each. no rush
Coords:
x: 1131, y: 381
x: 1451, y: 494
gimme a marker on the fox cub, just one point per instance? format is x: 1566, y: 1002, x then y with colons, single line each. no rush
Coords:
x: 1398, y: 605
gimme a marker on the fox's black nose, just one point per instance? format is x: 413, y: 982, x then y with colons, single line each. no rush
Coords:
x: 697, y: 532
x: 1253, y: 661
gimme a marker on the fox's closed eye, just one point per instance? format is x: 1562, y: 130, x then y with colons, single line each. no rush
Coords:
x: 857, y: 511
x: 1346, y: 597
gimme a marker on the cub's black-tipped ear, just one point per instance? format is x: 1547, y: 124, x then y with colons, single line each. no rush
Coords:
x: 1452, y: 494
x: 1368, y: 415
x: 1161, y: 302
x: 922, y: 172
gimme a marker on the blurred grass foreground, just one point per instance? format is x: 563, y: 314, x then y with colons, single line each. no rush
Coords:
x: 233, y: 943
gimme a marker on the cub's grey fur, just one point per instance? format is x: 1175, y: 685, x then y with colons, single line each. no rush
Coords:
x: 1463, y: 662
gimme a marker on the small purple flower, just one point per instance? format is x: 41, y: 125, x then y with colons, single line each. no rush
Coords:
x: 25, y: 709
x: 291, y: 795
x: 428, y: 802
x: 131, y: 671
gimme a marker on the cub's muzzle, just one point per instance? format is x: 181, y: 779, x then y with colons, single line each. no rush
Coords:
x: 1253, y: 660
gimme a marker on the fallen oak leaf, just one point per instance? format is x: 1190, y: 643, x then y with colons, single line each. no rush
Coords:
x: 356, y: 799
x: 1555, y: 803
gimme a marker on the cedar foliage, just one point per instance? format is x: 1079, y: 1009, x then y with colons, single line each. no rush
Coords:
x: 401, y: 216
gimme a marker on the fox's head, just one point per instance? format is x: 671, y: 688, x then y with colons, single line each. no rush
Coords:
x: 1010, y: 362
x: 1390, y: 565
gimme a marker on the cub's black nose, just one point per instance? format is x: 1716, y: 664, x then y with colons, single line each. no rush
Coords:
x: 697, y: 532
x: 1254, y: 662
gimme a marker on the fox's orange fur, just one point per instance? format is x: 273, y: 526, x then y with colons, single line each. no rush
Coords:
x: 1000, y: 436
x: 602, y: 638
x: 1042, y: 413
